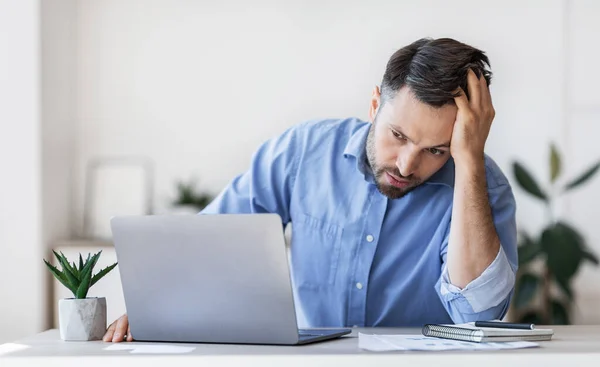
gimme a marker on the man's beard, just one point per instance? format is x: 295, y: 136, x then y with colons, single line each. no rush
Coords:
x: 386, y: 189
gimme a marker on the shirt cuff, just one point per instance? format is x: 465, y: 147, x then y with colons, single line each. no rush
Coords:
x: 486, y: 291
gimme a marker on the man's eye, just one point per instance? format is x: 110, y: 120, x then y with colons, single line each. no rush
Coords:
x: 397, y: 135
x: 436, y: 151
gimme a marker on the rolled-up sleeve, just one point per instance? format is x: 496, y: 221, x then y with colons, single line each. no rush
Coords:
x: 488, y: 296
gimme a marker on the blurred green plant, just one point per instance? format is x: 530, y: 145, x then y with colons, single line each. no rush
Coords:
x: 549, y: 261
x: 78, y: 279
x: 188, y: 195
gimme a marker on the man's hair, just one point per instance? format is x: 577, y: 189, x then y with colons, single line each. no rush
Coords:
x: 433, y: 69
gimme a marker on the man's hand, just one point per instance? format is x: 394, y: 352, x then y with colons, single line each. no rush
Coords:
x: 473, y: 121
x: 117, y: 331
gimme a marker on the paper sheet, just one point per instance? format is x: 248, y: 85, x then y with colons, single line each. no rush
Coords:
x: 150, y: 348
x: 387, y: 343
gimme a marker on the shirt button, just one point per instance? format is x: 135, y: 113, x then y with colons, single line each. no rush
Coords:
x: 359, y: 285
x: 370, y: 238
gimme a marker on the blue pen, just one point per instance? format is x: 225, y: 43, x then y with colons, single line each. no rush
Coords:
x: 504, y: 325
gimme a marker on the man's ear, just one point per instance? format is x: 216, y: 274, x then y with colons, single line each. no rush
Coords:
x: 375, y: 103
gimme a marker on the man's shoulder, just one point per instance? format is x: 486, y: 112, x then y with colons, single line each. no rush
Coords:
x: 330, y: 127
x: 494, y: 176
x: 331, y: 134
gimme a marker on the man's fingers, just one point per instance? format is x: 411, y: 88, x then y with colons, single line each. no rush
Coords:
x: 129, y: 336
x: 474, y: 88
x: 461, y: 101
x: 109, y: 332
x: 486, y: 96
x: 120, y: 329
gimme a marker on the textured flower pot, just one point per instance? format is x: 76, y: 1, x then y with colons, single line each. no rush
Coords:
x: 82, y: 319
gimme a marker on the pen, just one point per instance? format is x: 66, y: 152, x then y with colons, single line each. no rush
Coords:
x: 504, y: 325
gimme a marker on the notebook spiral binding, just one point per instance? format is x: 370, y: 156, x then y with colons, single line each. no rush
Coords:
x: 440, y: 331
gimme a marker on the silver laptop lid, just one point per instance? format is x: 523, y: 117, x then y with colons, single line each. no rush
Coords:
x: 206, y: 278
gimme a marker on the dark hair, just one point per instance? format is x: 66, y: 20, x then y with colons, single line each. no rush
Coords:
x: 433, y: 69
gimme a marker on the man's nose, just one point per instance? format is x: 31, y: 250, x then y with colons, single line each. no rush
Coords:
x: 408, y: 162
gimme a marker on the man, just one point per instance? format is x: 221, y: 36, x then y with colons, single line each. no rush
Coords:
x: 399, y: 221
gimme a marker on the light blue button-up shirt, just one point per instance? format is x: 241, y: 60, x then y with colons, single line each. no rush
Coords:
x: 359, y: 258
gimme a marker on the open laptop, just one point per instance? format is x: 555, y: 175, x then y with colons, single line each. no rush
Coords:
x: 209, y: 279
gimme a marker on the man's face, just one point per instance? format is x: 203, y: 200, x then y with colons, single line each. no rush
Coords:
x: 408, y: 141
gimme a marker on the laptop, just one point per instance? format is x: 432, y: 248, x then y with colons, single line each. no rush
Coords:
x: 220, y: 278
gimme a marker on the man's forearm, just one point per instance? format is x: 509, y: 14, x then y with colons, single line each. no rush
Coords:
x: 473, y: 242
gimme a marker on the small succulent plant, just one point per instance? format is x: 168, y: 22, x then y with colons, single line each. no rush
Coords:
x: 187, y: 194
x: 78, y: 278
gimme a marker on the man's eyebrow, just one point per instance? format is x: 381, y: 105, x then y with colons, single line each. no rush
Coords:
x: 445, y: 145
x: 398, y: 129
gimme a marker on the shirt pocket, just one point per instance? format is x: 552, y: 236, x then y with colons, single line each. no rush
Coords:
x: 315, y: 251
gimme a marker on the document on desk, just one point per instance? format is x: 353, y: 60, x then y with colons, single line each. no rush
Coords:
x: 388, y: 343
x: 135, y: 348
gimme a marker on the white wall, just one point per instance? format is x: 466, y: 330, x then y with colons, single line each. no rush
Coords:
x: 58, y: 132
x: 580, y: 140
x: 22, y: 306
x: 197, y: 85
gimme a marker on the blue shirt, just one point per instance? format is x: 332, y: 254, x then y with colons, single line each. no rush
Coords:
x: 357, y: 257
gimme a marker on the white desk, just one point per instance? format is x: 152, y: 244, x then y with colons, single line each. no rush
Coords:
x: 571, y: 346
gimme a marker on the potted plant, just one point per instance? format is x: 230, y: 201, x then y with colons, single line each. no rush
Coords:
x: 80, y: 318
x: 189, y: 200
x: 549, y: 261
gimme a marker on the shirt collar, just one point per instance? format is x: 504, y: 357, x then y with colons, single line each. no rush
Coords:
x: 356, y: 147
x: 357, y: 143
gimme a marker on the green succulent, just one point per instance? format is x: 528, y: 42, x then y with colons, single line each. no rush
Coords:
x: 560, y: 247
x: 188, y: 195
x: 78, y: 278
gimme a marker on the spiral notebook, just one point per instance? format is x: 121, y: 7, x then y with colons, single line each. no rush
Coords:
x: 469, y: 332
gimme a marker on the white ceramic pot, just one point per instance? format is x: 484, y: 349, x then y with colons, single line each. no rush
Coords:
x: 82, y: 319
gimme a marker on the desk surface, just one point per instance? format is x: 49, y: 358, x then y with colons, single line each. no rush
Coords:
x: 570, y: 344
